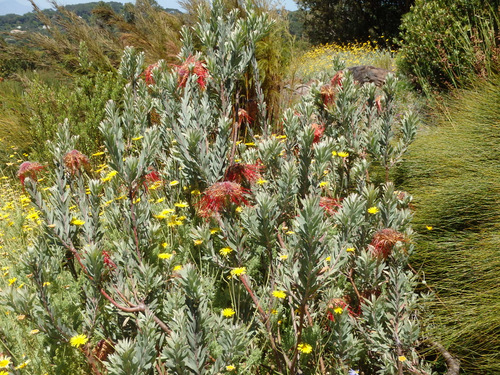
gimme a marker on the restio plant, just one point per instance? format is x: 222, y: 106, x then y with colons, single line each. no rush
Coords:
x: 457, y: 223
x: 198, y: 248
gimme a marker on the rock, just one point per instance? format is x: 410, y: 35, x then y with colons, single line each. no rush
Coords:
x: 370, y: 74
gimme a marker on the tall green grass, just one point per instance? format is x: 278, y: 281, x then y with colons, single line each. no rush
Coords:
x: 453, y: 171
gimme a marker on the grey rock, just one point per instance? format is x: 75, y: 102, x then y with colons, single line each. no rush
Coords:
x: 369, y: 74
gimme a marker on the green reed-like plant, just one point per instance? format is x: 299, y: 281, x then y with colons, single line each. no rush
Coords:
x: 199, y: 251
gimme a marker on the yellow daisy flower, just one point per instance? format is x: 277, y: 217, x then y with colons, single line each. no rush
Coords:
x: 304, y: 348
x: 279, y: 294
x: 228, y: 312
x: 239, y: 271
x: 78, y: 340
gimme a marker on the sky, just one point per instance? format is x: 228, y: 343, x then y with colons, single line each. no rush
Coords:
x: 289, y: 4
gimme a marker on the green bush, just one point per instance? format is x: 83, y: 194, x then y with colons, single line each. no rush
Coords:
x: 447, y: 43
x: 200, y: 250
x: 80, y: 101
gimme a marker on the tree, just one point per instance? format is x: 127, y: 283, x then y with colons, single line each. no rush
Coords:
x: 351, y: 20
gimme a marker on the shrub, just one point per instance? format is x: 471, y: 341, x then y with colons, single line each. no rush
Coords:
x: 447, y: 43
x: 197, y: 250
x: 80, y: 102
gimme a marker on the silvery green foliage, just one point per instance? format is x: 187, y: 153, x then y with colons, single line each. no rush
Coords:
x: 309, y: 277
x: 136, y: 356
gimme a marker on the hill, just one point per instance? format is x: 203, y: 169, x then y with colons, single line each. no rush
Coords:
x: 30, y: 22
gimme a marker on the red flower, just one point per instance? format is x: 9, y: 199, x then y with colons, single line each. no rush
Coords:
x: 152, y: 179
x: 319, y: 129
x: 220, y: 196
x: 107, y: 260
x: 337, y: 79
x: 29, y: 169
x: 152, y: 176
x: 241, y: 173
x: 74, y: 161
x: 330, y: 205
x: 148, y: 74
x: 328, y: 92
x: 243, y: 115
x: 383, y: 241
x: 192, y: 66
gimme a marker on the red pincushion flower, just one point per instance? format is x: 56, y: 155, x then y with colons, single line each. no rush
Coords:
x: 148, y: 74
x: 152, y: 176
x: 74, y: 161
x: 241, y: 173
x: 330, y: 205
x: 220, y: 196
x: 336, y: 306
x: 378, y: 103
x: 29, y: 169
x: 152, y: 179
x: 319, y: 129
x: 107, y: 260
x: 337, y: 79
x: 192, y: 66
x: 384, y: 240
x: 328, y: 92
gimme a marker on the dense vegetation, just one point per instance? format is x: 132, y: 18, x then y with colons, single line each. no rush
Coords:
x: 203, y: 193
x: 344, y: 21
x: 449, y: 43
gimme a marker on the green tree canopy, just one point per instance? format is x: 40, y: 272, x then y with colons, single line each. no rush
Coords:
x: 350, y: 20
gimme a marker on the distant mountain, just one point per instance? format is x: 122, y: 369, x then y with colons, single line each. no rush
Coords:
x: 29, y: 21
x: 14, y: 7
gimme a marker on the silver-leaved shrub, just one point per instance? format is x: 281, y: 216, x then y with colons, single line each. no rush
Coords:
x: 207, y: 244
